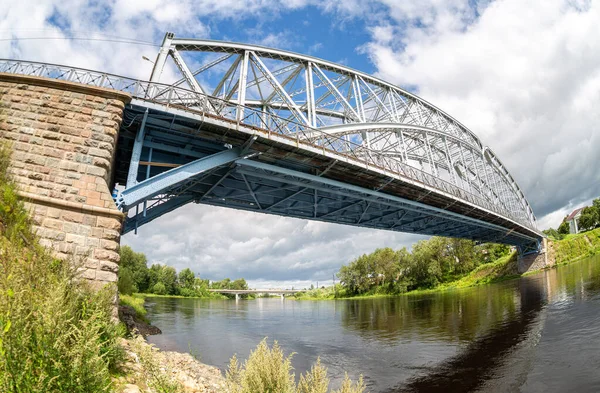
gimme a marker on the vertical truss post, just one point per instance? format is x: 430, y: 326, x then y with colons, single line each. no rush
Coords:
x: 358, y: 97
x: 242, y: 86
x: 462, y: 157
x: 433, y: 168
x: 450, y: 167
x: 310, y: 96
x: 404, y: 149
x: 148, y: 176
x: 161, y: 58
x: 137, y: 153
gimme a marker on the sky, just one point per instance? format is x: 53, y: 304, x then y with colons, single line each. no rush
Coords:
x: 523, y: 75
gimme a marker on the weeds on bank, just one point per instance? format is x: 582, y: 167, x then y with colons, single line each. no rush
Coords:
x: 137, y: 303
x: 56, y: 334
x: 268, y: 370
x: 158, y: 376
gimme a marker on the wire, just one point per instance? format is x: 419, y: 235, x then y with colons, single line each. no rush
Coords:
x: 136, y: 42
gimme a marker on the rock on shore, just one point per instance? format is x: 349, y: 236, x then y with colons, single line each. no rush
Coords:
x: 145, y: 361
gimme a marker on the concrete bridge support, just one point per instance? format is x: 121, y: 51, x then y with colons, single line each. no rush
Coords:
x: 63, y: 137
x: 540, y: 260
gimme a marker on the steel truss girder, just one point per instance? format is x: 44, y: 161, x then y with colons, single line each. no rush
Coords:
x: 159, y: 184
x: 352, y: 97
x: 327, y: 185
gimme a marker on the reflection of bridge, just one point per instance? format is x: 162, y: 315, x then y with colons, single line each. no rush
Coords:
x: 256, y: 129
x: 238, y: 292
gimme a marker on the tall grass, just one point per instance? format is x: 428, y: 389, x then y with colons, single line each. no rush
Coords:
x: 56, y: 333
x: 268, y: 370
x: 577, y: 246
x: 135, y: 301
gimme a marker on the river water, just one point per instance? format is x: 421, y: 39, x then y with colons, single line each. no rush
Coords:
x: 540, y: 333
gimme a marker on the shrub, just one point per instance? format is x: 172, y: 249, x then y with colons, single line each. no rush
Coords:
x: 159, y: 289
x: 268, y: 370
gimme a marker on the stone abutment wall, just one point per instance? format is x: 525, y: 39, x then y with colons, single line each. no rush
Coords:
x: 63, y: 137
x: 544, y: 259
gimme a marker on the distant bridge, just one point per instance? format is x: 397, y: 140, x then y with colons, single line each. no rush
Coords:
x: 238, y: 292
x: 251, y: 128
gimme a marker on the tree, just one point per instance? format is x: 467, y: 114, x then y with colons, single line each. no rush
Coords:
x: 159, y: 289
x: 136, y: 263
x: 563, y: 228
x: 168, y: 277
x: 186, y: 279
x: 126, y: 284
x: 588, y: 219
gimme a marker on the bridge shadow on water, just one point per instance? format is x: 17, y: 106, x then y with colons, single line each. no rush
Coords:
x: 475, y: 366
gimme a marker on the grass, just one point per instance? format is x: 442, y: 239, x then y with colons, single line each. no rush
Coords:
x: 56, y: 333
x: 571, y: 248
x: 577, y: 246
x: 135, y: 301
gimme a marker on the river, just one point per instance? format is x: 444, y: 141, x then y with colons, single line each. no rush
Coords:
x: 540, y: 333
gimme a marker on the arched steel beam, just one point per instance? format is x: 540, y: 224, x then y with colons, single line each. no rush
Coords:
x: 171, y: 44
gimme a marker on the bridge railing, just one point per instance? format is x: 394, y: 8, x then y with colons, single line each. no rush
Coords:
x: 192, y: 101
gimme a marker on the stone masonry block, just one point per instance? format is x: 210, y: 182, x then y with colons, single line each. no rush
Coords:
x: 64, y: 136
x: 109, y: 223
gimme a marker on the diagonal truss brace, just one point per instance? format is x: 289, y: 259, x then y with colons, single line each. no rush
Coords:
x: 166, y: 180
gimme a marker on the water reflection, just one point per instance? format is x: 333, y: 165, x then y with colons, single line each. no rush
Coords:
x: 467, y: 371
x: 501, y: 337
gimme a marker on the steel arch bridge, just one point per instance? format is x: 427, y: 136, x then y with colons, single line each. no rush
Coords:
x: 272, y: 131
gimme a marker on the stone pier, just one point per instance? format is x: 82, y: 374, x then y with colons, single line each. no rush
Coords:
x: 63, y: 137
x: 543, y: 259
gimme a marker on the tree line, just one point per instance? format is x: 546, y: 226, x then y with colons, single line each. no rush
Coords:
x: 136, y: 277
x: 588, y: 220
x: 431, y: 262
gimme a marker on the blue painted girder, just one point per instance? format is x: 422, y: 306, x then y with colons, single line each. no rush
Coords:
x: 163, y: 182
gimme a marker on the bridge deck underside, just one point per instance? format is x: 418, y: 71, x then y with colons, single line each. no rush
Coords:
x: 290, y: 181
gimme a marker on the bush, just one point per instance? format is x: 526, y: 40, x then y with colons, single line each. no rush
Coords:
x: 268, y: 370
x: 159, y: 289
x: 56, y: 334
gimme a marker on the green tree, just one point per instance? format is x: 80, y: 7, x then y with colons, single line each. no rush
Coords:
x: 168, y: 277
x: 240, y: 284
x: 136, y: 263
x: 563, y: 228
x: 159, y: 289
x: 186, y: 279
x: 588, y: 219
x: 126, y: 284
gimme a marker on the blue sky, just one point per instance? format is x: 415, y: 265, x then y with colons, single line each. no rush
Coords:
x: 523, y: 75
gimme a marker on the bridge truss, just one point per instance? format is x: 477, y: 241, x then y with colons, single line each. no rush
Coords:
x: 272, y: 131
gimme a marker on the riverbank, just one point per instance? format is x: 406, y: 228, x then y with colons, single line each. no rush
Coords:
x: 147, y: 369
x: 572, y: 248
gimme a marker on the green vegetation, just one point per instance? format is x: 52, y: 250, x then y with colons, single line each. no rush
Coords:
x: 56, y: 334
x: 136, y: 277
x: 268, y: 370
x: 588, y: 220
x: 577, y: 246
x: 433, y: 262
x: 493, y: 263
x: 590, y: 216
x: 136, y: 302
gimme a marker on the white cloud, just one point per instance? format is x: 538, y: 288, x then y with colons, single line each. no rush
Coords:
x: 266, y: 250
x: 524, y: 76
